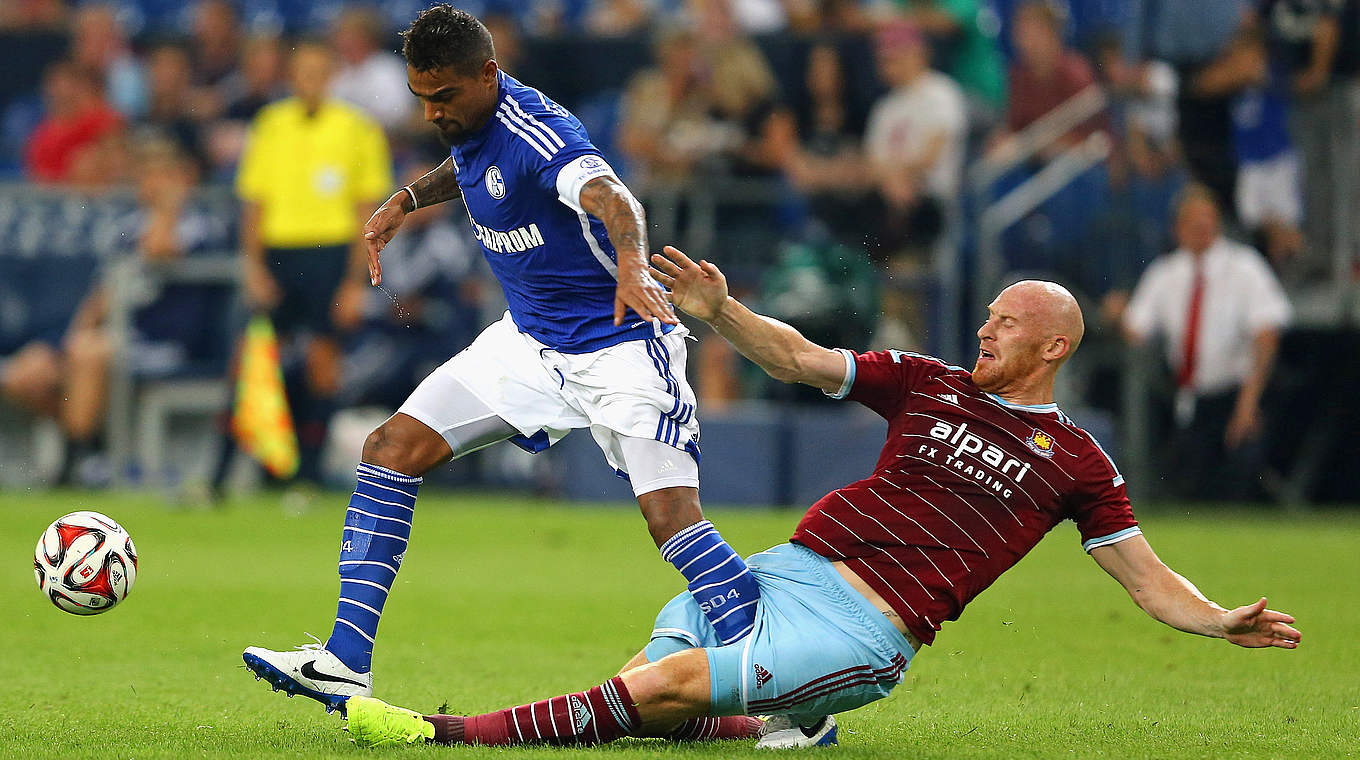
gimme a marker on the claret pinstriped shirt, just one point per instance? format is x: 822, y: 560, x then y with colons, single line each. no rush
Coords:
x: 966, y: 485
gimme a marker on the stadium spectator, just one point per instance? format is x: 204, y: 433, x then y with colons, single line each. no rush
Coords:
x: 828, y: 122
x: 616, y: 18
x: 170, y: 112
x: 1219, y: 310
x: 216, y: 42
x: 1146, y: 173
x: 1344, y: 92
x: 370, y: 76
x: 260, y: 81
x: 831, y: 17
x: 505, y: 28
x: 721, y: 19
x: 914, y: 144
x: 1144, y: 94
x: 1309, y: 53
x: 875, y: 567
x: 664, y: 126
x: 312, y: 171
x: 1045, y: 73
x: 515, y: 55
x: 31, y: 15
x: 1267, y: 198
x: 824, y: 158
x: 31, y: 378
x: 747, y: 106
x: 1190, y: 36
x: 99, y: 44
x: 69, y: 382
x: 78, y: 130
x: 967, y: 53
x: 588, y: 341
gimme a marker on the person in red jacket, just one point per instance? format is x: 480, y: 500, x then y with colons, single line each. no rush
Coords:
x: 78, y: 121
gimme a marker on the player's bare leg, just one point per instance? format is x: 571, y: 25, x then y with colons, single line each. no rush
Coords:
x: 406, y: 445
x: 32, y: 379
x: 670, y: 510
x: 777, y: 732
x: 700, y: 729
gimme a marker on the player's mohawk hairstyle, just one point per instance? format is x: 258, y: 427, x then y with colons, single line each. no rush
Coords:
x: 444, y: 36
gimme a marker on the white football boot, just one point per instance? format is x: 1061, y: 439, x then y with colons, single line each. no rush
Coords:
x: 309, y: 670
x: 780, y: 732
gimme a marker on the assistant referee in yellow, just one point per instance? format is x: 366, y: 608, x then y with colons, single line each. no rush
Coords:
x: 312, y: 172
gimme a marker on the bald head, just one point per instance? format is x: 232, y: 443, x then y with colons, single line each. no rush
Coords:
x: 1032, y: 327
x: 1053, y: 308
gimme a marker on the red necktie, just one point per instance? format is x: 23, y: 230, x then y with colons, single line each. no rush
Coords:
x: 1186, y: 375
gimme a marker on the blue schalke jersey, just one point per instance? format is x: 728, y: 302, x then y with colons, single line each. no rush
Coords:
x: 521, y: 177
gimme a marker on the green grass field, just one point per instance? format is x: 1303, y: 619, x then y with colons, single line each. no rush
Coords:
x: 506, y: 600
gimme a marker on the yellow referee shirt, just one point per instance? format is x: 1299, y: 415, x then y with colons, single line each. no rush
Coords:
x: 309, y: 172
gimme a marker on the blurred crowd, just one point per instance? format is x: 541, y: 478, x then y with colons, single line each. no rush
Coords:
x: 841, y: 139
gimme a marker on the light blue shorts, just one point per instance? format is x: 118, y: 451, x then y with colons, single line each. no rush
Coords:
x: 818, y: 646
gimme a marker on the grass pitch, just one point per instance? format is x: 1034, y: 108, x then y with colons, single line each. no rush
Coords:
x: 505, y: 600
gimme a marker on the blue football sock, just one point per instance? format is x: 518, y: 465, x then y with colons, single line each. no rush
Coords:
x: 718, y: 578
x: 377, y: 527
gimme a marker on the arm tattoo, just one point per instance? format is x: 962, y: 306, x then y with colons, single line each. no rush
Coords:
x: 608, y: 200
x: 440, y: 185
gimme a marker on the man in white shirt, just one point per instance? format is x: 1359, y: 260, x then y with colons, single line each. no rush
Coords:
x: 370, y: 77
x: 1220, y: 310
x: 914, y: 139
x: 913, y: 149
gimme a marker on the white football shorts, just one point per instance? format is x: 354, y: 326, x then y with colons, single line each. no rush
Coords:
x: 1269, y: 191
x: 633, y: 397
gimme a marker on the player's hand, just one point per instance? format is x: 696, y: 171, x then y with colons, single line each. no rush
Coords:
x: 380, y: 230
x: 638, y: 291
x: 698, y: 289
x: 1255, y: 626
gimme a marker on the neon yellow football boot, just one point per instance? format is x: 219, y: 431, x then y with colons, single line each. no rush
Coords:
x: 374, y: 723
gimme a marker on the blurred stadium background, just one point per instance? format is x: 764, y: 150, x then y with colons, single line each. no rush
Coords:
x: 1046, y: 139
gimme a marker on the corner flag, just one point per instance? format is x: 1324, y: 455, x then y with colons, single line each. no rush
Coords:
x: 260, y: 418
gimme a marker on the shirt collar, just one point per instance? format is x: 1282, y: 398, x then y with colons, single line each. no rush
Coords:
x: 1052, y: 406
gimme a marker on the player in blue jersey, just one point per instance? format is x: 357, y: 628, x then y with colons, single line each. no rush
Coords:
x: 589, y: 341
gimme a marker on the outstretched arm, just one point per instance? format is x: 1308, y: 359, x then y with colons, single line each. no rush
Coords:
x: 439, y: 185
x: 609, y: 200
x: 700, y: 289
x: 1172, y: 599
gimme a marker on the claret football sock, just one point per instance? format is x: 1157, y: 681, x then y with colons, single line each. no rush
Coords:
x: 718, y: 578
x: 377, y: 528
x: 601, y: 714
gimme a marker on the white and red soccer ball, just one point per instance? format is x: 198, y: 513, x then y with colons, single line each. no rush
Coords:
x: 85, y: 563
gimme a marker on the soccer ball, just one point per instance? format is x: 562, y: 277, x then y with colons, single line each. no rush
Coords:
x: 85, y: 563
